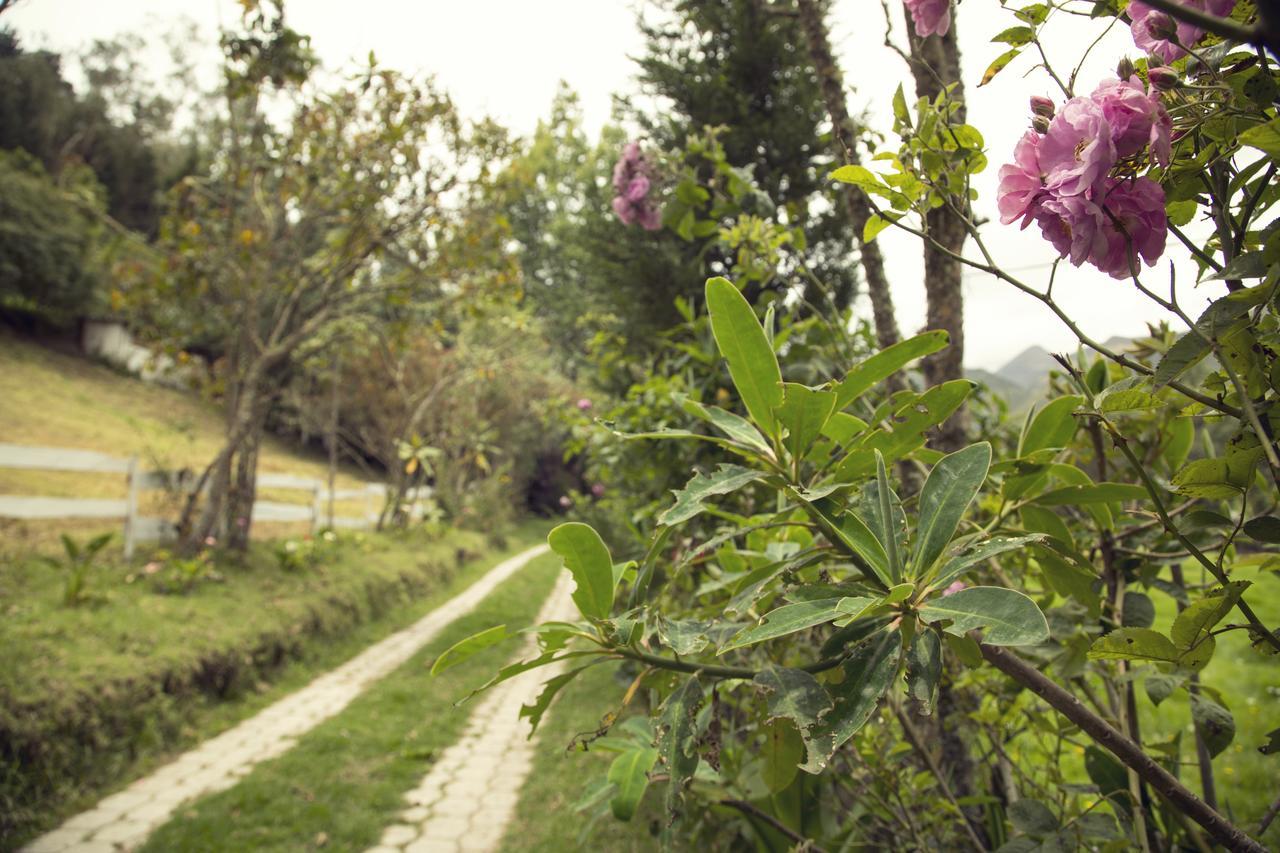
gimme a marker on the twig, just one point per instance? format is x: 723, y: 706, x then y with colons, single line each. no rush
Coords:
x: 803, y: 842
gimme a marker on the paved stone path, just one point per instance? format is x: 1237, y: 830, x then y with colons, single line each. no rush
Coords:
x: 463, y: 805
x: 123, y: 820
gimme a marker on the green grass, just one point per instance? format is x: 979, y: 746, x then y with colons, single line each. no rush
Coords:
x: 93, y: 697
x: 344, y: 781
x: 545, y: 821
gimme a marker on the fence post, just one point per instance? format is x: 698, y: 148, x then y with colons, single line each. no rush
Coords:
x: 134, y: 481
x: 316, y: 502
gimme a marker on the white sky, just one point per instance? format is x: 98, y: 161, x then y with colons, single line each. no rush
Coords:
x: 505, y: 58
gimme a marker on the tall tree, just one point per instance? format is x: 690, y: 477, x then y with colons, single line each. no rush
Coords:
x: 298, y: 232
x: 732, y: 63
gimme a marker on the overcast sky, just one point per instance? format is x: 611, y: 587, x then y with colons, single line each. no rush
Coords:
x: 505, y: 58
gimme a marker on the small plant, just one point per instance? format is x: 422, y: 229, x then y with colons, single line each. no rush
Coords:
x: 294, y: 555
x: 77, y: 563
x: 170, y: 575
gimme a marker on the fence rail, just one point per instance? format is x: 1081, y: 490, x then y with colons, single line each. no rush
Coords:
x: 138, y: 528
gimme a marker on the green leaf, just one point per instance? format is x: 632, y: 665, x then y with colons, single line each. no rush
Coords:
x: 958, y: 565
x: 587, y: 559
x: 1110, y: 777
x: 884, y: 364
x: 734, y: 426
x: 783, y: 751
x: 867, y: 674
x: 1264, y: 137
x: 1160, y: 687
x: 796, y: 617
x: 1134, y: 644
x: 1008, y: 617
x: 1181, y: 213
x: 1015, y: 36
x: 1217, y: 478
x: 876, y: 223
x: 691, y: 500
x: 1192, y: 630
x: 465, y: 648
x: 911, y: 421
x: 804, y: 412
x: 1094, y: 494
x: 952, y: 485
x: 1186, y: 352
x: 630, y: 773
x: 1032, y: 817
x: 900, y: 113
x: 677, y: 743
x: 683, y: 636
x: 863, y: 541
x: 1264, y: 528
x: 535, y: 711
x: 861, y: 177
x: 886, y: 507
x: 1138, y: 611
x: 1053, y: 426
x: 998, y: 65
x: 1214, y: 724
x: 924, y: 669
x: 741, y: 340
x: 795, y: 695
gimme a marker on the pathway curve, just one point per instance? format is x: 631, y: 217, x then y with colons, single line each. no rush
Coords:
x: 463, y: 805
x: 123, y: 820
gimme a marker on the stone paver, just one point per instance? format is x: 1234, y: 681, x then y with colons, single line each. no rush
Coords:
x: 123, y: 820
x: 466, y: 800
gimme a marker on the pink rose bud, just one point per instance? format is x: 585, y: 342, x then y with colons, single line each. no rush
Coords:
x: 1161, y: 26
x: 1163, y: 78
x: 1042, y: 106
x: 1125, y: 68
x: 584, y: 404
x: 1040, y: 124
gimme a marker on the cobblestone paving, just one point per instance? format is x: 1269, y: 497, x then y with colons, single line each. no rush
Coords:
x: 123, y: 820
x: 463, y: 805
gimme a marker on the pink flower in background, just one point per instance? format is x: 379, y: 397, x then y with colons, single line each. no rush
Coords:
x: 1136, y: 227
x: 151, y: 568
x: 597, y: 489
x: 631, y: 185
x: 955, y: 587
x: 565, y: 501
x: 1150, y: 26
x: 210, y: 541
x: 1078, y: 150
x: 931, y: 17
x: 1021, y: 182
x: 1137, y: 119
x: 584, y: 404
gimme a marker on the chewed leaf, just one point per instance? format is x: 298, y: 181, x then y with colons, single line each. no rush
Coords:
x: 587, y: 559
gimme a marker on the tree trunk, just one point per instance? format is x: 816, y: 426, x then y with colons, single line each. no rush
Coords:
x: 238, y: 516
x: 856, y: 203
x: 935, y: 65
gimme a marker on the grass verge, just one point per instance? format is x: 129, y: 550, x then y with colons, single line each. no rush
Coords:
x: 343, y: 782
x: 93, y: 697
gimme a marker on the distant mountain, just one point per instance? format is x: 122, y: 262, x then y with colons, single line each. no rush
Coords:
x: 1029, y: 369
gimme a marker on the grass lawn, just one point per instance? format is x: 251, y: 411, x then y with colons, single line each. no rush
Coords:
x: 344, y: 781
x: 93, y: 697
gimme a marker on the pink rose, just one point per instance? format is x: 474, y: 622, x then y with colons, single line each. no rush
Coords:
x: 1137, y: 119
x: 1135, y: 228
x: 1073, y: 224
x: 1021, y: 182
x: 1078, y: 151
x: 931, y: 17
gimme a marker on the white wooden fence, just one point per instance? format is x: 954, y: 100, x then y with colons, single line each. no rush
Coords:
x: 138, y: 528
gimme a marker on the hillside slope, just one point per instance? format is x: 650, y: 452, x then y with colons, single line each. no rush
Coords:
x: 51, y: 398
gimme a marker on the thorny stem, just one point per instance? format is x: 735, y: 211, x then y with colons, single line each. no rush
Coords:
x: 1129, y: 753
x: 1153, y: 491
